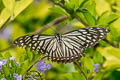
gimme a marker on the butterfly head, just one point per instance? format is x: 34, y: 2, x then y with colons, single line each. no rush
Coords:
x: 57, y: 36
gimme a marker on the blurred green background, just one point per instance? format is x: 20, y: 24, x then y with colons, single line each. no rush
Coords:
x: 29, y: 15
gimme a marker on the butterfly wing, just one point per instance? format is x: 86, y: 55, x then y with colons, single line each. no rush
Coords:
x: 87, y: 37
x: 68, y: 48
x: 77, y: 41
x: 34, y: 42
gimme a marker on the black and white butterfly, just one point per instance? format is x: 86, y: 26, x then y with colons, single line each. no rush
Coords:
x: 65, y: 48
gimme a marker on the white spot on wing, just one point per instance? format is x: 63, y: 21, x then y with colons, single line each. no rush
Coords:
x: 101, y: 30
x: 35, y: 38
x: 21, y: 41
x: 84, y: 32
x: 22, y: 44
x: 35, y: 44
x: 81, y: 38
x: 30, y: 44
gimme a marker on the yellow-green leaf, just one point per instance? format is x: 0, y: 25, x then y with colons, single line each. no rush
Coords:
x: 9, y: 4
x: 21, y: 5
x: 13, y: 7
x: 112, y: 56
x: 5, y: 14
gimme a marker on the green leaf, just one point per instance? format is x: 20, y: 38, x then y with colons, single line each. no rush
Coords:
x: 98, y: 58
x: 13, y: 63
x: 81, y: 15
x: 4, y: 16
x: 91, y: 21
x: 6, y: 71
x: 67, y: 4
x: 88, y: 63
x: 92, y: 9
x: 29, y: 54
x: 9, y: 4
x: 65, y: 76
x: 112, y: 57
x: 72, y: 5
x: 7, y: 55
x: 59, y: 10
x: 113, y: 35
x: 99, y: 76
x: 16, y: 7
x: 83, y: 3
x: 106, y: 19
x: 78, y: 76
x: 24, y: 66
x: 21, y: 5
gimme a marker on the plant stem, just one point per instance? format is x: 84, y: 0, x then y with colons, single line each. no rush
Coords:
x: 81, y: 70
x: 32, y: 66
x: 112, y: 44
x: 55, y: 21
x: 67, y: 10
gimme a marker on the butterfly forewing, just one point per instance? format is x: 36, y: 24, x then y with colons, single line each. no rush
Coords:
x: 35, y: 42
x: 65, y: 48
x: 87, y: 36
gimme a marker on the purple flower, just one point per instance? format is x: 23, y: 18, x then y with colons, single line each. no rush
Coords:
x: 3, y: 79
x: 17, y: 63
x: 12, y: 58
x: 42, y: 66
x: 6, y: 33
x: 17, y: 77
x: 48, y: 66
x: 2, y: 63
x: 96, y: 67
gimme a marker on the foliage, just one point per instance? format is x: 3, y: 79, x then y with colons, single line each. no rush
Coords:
x: 26, y: 16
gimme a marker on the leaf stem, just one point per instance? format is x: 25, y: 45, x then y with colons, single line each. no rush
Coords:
x: 81, y: 70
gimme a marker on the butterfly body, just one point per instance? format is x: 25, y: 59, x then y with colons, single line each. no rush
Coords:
x: 65, y: 48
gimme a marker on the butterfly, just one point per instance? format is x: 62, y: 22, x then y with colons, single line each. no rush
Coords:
x: 65, y: 48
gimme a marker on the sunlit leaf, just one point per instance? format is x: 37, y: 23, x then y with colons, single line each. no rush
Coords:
x: 16, y: 7
x: 72, y: 5
x: 59, y: 10
x: 106, y: 19
x: 92, y: 8
x: 4, y: 16
x: 112, y: 56
x: 78, y: 76
x: 91, y: 21
x: 9, y: 4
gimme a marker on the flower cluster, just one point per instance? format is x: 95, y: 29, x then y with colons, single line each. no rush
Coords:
x: 12, y: 58
x: 9, y: 64
x: 42, y: 66
x: 17, y: 77
x: 96, y: 67
x: 13, y: 68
